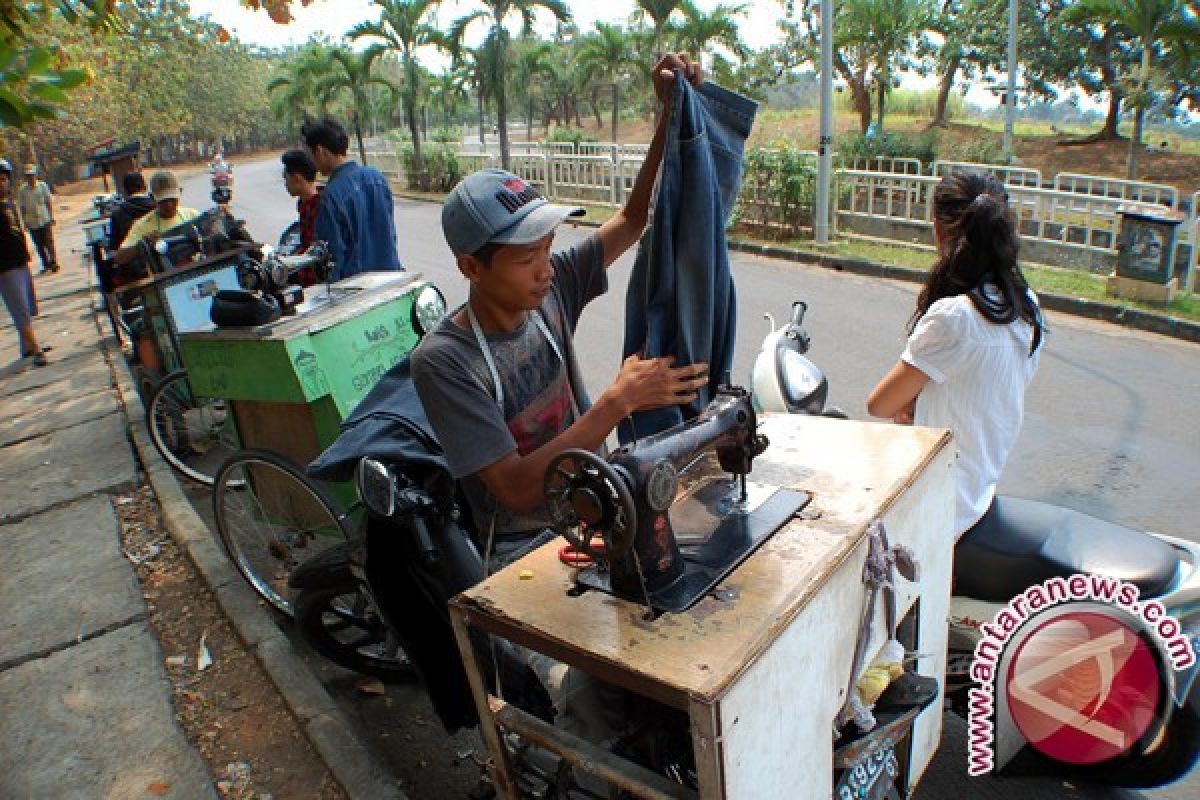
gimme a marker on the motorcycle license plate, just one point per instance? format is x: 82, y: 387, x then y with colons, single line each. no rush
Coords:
x: 869, y: 779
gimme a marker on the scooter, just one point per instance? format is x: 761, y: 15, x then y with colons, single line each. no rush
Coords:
x: 1020, y: 544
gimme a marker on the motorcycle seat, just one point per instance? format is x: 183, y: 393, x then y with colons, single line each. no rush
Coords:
x: 1020, y: 543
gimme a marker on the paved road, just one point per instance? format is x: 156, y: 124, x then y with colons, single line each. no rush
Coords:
x: 1111, y: 424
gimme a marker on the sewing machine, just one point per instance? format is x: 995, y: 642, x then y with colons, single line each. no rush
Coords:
x: 668, y: 538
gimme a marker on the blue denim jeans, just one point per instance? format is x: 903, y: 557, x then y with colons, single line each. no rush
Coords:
x: 681, y: 299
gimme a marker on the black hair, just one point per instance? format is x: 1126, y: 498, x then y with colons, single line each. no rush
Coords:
x: 328, y: 133
x: 132, y: 183
x: 486, y: 253
x: 979, y: 248
x: 300, y: 163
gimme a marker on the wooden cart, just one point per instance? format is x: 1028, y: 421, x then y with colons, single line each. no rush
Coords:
x: 761, y: 666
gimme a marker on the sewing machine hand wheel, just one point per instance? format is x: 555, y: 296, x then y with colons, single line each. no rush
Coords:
x: 583, y: 489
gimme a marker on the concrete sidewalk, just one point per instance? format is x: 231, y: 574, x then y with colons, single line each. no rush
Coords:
x: 85, y: 708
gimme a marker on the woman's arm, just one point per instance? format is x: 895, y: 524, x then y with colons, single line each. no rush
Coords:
x: 895, y: 396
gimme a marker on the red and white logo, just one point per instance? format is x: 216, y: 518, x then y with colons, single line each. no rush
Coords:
x: 1083, y: 687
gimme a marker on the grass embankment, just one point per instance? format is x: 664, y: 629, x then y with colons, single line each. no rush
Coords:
x: 1068, y: 282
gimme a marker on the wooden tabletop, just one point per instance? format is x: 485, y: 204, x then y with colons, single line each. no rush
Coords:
x: 854, y: 470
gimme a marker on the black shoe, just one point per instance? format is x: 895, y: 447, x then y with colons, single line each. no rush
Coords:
x: 39, y: 359
x: 908, y: 691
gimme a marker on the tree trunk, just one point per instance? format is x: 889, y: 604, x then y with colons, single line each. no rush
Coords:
x: 883, y: 84
x: 418, y: 159
x: 595, y: 103
x: 945, y: 86
x: 362, y: 148
x: 616, y: 104
x: 529, y: 118
x: 1113, y: 118
x: 482, y: 135
x: 861, y: 98
x: 502, y: 100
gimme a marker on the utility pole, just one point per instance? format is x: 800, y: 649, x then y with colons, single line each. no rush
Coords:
x: 823, y: 213
x: 1010, y: 97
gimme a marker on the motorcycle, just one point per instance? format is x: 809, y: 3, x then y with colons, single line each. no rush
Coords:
x: 222, y: 182
x: 1021, y: 544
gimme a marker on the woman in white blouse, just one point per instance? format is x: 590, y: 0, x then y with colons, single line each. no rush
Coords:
x: 974, y: 339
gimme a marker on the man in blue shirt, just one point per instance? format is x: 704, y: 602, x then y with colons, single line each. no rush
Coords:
x: 355, y: 213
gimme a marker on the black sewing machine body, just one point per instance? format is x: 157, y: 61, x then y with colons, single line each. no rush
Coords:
x: 667, y: 548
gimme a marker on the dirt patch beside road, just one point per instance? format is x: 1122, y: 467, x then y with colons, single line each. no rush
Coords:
x: 229, y: 709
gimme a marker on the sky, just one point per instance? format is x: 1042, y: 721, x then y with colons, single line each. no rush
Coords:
x: 759, y: 28
x: 335, y: 17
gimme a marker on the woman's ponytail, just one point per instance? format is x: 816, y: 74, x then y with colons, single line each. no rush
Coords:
x: 979, y: 253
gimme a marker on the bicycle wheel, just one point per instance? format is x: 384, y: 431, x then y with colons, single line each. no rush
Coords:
x: 271, y: 517
x: 194, y: 434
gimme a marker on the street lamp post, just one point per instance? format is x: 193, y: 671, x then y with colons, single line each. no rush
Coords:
x: 822, y: 213
x: 1010, y: 97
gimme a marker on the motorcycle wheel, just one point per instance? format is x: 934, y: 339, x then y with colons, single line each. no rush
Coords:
x: 340, y: 624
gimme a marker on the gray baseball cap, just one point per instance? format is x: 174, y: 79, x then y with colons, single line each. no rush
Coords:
x: 493, y: 205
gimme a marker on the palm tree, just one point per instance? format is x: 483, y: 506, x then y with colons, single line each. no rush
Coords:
x: 1154, y: 26
x: 699, y: 30
x: 407, y: 27
x: 494, y: 14
x: 531, y: 67
x: 450, y: 90
x: 885, y: 31
x: 478, y: 64
x: 604, y: 55
x: 659, y: 12
x: 293, y: 92
x: 353, y: 73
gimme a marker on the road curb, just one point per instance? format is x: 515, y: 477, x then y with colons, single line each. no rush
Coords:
x: 325, y: 726
x: 1136, y: 318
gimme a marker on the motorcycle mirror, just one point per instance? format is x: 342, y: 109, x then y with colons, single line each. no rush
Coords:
x: 798, y: 309
x: 376, y: 487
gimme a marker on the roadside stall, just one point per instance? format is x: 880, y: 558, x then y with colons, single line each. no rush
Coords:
x: 762, y: 662
x: 285, y: 387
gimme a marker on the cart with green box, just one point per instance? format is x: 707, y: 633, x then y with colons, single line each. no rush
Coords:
x: 287, y: 386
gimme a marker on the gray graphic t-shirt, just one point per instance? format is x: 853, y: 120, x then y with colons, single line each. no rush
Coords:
x: 457, y: 391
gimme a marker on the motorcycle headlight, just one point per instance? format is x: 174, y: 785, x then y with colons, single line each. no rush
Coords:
x: 428, y: 309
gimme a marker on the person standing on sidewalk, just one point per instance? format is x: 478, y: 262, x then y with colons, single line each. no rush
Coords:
x: 355, y: 215
x: 14, y: 270
x: 36, y: 203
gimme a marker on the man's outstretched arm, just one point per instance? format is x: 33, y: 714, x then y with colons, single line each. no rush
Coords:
x: 626, y: 226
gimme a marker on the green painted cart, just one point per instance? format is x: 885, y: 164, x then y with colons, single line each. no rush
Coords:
x: 286, y: 388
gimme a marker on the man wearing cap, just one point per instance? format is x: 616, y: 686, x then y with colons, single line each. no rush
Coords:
x: 14, y: 271
x: 164, y: 188
x: 498, y: 377
x: 35, y: 202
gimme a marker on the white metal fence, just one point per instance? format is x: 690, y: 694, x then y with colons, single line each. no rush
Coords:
x: 1065, y: 218
x: 1139, y: 191
x: 1010, y: 176
x: 1079, y: 212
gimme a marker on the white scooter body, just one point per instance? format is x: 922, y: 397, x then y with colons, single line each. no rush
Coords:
x: 784, y: 380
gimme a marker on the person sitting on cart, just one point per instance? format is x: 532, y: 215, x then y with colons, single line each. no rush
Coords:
x: 498, y: 377
x: 137, y: 203
x: 500, y: 383
x: 164, y: 188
